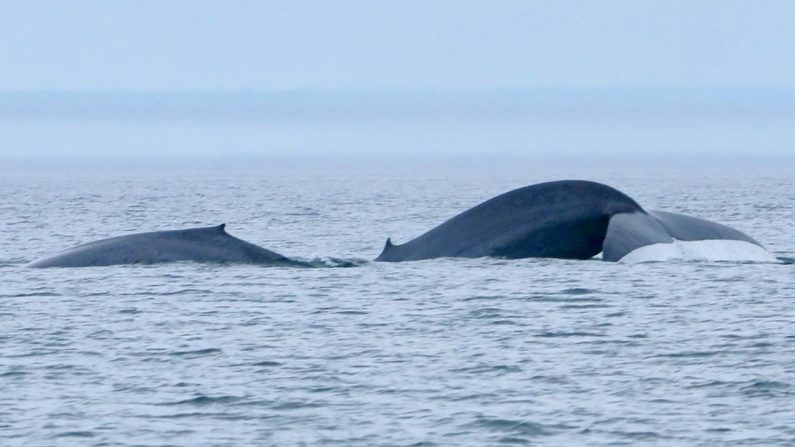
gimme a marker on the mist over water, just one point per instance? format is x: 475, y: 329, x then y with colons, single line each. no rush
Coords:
x: 438, y: 352
x: 642, y: 127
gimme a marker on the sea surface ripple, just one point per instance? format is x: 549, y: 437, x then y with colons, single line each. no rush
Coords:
x: 439, y: 352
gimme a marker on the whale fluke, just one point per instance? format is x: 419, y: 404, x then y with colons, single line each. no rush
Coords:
x: 660, y: 236
x: 207, y: 244
x: 630, y: 231
x: 688, y: 228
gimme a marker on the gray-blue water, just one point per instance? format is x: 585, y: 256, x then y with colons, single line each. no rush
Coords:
x: 440, y: 352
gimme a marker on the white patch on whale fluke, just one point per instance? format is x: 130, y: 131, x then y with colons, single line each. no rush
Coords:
x: 706, y: 250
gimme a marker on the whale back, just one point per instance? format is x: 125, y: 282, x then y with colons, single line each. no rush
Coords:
x: 563, y: 219
x: 209, y: 244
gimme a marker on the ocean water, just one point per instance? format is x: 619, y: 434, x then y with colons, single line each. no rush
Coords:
x: 439, y: 352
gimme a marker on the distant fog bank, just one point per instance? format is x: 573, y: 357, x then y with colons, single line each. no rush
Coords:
x: 416, y: 126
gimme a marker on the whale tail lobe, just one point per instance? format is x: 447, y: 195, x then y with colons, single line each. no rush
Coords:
x: 661, y: 236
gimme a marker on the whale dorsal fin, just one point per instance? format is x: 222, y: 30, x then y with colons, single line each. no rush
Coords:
x: 388, y: 247
x: 221, y: 228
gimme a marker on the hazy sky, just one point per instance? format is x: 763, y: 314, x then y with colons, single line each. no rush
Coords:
x: 457, y: 79
x: 292, y: 44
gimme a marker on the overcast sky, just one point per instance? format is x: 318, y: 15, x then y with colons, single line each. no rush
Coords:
x: 293, y: 44
x: 454, y: 79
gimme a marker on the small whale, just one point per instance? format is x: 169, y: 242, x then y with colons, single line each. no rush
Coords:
x: 574, y: 219
x: 210, y: 244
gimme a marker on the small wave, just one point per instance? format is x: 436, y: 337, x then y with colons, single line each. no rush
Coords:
x: 167, y: 293
x: 196, y: 353
x: 30, y: 354
x: 322, y: 389
x: 267, y: 363
x: 689, y: 354
x: 488, y: 369
x: 468, y: 396
x: 578, y: 291
x: 191, y: 415
x: 638, y: 434
x: 486, y: 313
x: 75, y: 434
x: 13, y: 262
x: 295, y: 405
x: 31, y: 294
x: 557, y: 380
x: 129, y: 310
x: 61, y: 367
x: 585, y: 306
x: 371, y: 325
x: 552, y: 334
x: 504, y: 322
x: 710, y: 384
x: 484, y: 298
x: 766, y: 388
x: 102, y: 333
x: 336, y: 262
x: 513, y: 427
x: 232, y: 417
x: 559, y: 299
x: 351, y: 312
x: 201, y: 400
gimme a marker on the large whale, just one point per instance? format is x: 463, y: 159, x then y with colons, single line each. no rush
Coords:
x: 210, y: 244
x: 575, y: 219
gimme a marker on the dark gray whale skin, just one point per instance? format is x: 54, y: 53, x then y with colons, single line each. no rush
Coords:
x: 567, y: 219
x: 210, y: 244
x: 564, y: 219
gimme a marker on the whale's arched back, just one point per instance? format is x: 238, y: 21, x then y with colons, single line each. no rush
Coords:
x: 207, y: 244
x: 563, y: 219
x: 569, y: 219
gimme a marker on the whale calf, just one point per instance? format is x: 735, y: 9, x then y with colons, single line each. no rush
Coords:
x: 575, y: 219
x: 210, y: 244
